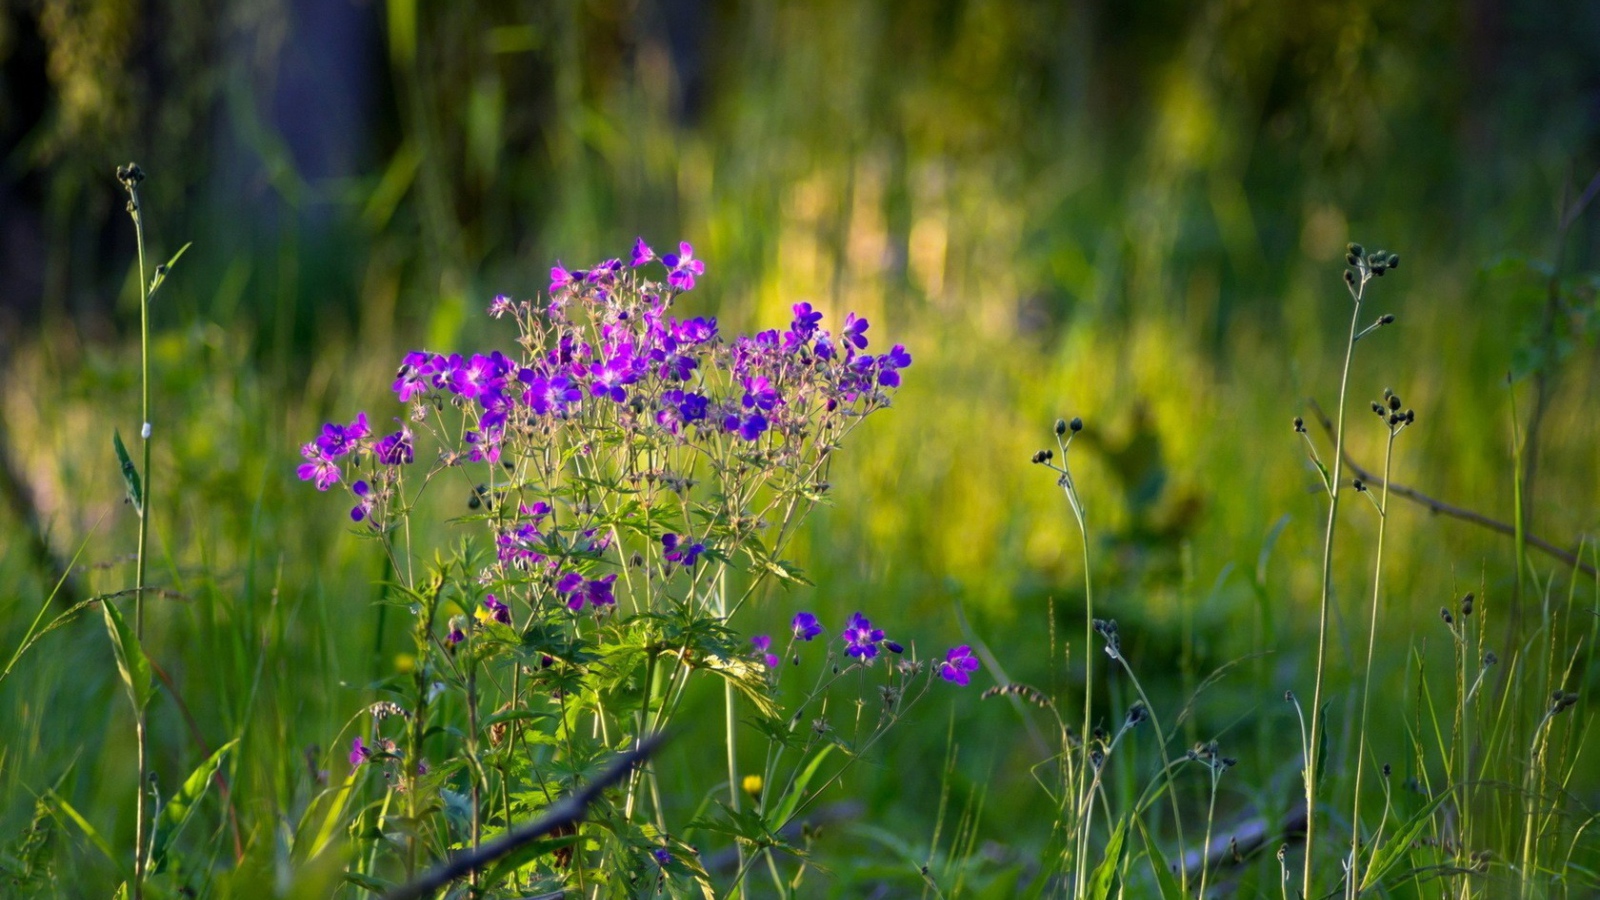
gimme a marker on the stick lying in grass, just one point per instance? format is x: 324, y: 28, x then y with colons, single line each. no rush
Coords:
x: 568, y: 812
x: 1456, y: 512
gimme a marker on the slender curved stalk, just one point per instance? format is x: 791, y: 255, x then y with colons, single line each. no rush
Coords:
x: 1327, y: 591
x: 131, y: 177
x: 1354, y: 881
x: 1211, y: 815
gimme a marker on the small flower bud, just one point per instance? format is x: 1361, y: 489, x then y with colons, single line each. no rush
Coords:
x: 1288, y: 696
x: 1393, y: 261
x: 1359, y: 485
x: 1490, y: 659
x: 1466, y: 605
x: 1351, y: 259
x: 1299, y: 425
x: 1350, y: 277
x: 1076, y: 424
x: 1356, y: 250
x: 1394, y: 403
x: 1061, y: 427
x: 1377, y: 407
x: 1386, y: 319
x: 1387, y: 771
x: 1444, y: 613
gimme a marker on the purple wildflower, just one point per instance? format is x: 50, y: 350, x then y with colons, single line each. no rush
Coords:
x: 499, y: 306
x: 759, y: 393
x: 579, y: 590
x: 806, y: 320
x: 763, y: 645
x: 396, y: 449
x: 456, y: 635
x: 698, y: 330
x: 365, y: 498
x: 679, y: 552
x: 855, y: 331
x: 861, y: 639
x: 684, y: 267
x: 806, y: 626
x: 958, y: 665
x: 413, y: 378
x: 661, y: 856
x: 750, y: 427
x: 551, y: 395
x: 642, y: 253
x: 890, y: 364
x: 559, y: 278
x: 318, y: 467
x: 494, y: 609
x: 337, y: 440
x: 359, y: 752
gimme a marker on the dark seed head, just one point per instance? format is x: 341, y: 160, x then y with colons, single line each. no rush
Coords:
x: 1393, y: 261
x: 1386, y: 319
x: 1061, y: 427
x: 1076, y: 424
x: 1356, y: 250
x: 1394, y: 403
x: 1350, y: 277
x: 1299, y: 425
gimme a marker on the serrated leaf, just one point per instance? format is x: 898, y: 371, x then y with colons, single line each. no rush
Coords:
x: 181, y: 806
x: 522, y: 856
x: 131, y: 661
x: 1105, y: 874
x: 130, y: 473
x: 1390, y: 854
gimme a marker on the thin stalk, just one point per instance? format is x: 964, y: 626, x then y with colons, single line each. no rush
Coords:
x: 1211, y: 815
x: 130, y: 179
x: 1366, y: 677
x: 1327, y: 591
x: 730, y: 720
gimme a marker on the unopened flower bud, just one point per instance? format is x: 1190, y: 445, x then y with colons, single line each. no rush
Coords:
x: 1061, y: 427
x: 1076, y: 424
x: 1356, y: 250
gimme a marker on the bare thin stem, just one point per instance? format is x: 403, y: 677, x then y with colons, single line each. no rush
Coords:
x: 1354, y: 881
x: 1327, y: 594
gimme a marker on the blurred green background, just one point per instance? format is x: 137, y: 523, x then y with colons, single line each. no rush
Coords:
x: 1132, y: 212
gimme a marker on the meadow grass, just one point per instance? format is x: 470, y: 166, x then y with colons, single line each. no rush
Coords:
x: 273, y: 631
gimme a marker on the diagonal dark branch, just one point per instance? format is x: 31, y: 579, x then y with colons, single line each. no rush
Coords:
x: 1456, y: 512
x: 569, y: 811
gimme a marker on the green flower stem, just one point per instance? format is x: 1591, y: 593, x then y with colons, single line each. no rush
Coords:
x: 1354, y: 880
x: 141, y: 566
x: 1327, y: 591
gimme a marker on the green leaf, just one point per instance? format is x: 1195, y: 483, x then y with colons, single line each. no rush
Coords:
x: 131, y: 661
x: 130, y: 474
x: 791, y: 800
x: 1105, y: 874
x: 522, y: 856
x: 368, y: 883
x: 180, y: 806
x: 89, y: 831
x: 165, y: 269
x: 1396, y: 848
x: 1170, y: 889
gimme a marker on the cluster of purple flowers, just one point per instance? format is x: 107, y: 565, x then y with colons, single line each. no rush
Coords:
x: 862, y: 642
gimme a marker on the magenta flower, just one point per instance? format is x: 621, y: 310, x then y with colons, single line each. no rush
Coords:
x: 359, y: 752
x: 416, y: 372
x: 499, y: 306
x: 763, y: 645
x: 642, y: 253
x: 560, y: 278
x: 318, y: 468
x: 806, y: 626
x: 759, y: 393
x: 958, y: 665
x: 496, y: 610
x: 684, y: 267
